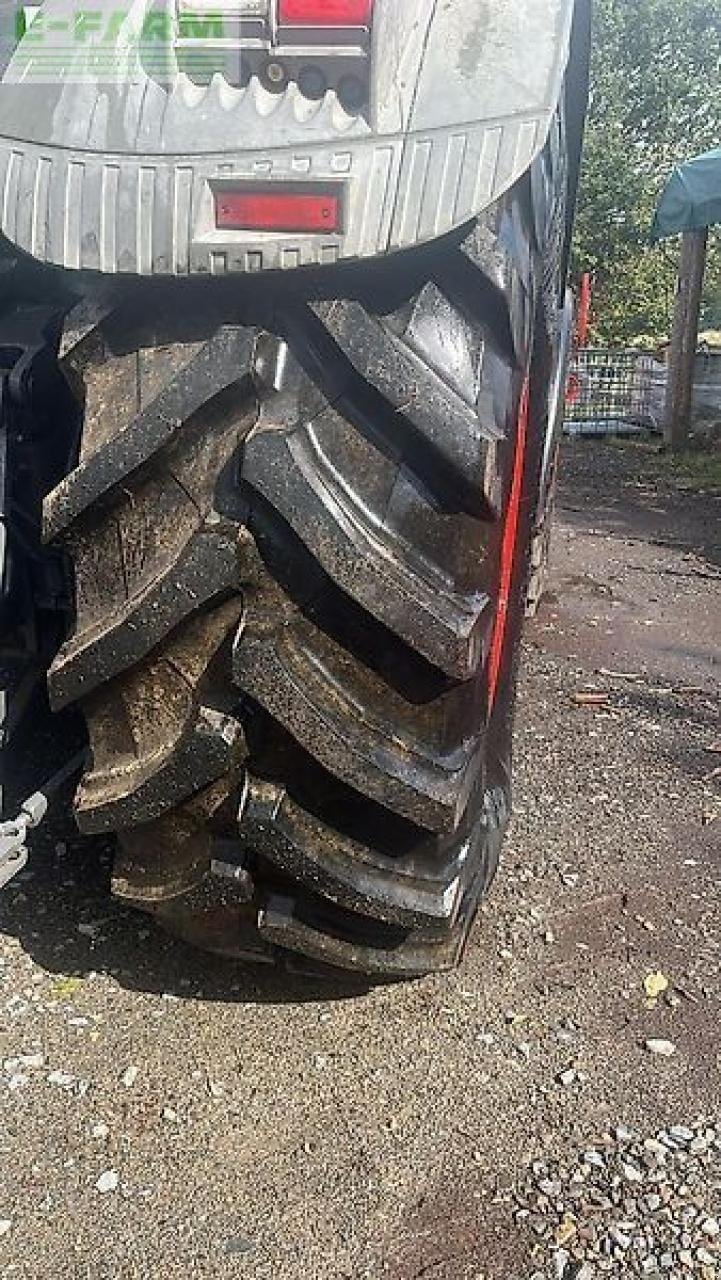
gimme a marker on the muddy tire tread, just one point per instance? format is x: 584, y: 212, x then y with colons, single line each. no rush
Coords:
x: 285, y: 548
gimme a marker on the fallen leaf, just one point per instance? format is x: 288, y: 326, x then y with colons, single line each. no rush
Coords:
x: 64, y: 987
x: 565, y: 1232
x: 655, y: 985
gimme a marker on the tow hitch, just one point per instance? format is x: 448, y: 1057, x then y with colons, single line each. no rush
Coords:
x: 38, y: 443
x: 14, y: 834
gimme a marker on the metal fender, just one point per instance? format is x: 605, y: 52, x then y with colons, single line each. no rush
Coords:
x: 112, y: 160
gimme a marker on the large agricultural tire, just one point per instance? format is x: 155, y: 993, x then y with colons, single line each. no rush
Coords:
x: 299, y: 531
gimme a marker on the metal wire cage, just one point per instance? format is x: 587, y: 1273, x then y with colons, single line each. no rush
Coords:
x: 614, y: 391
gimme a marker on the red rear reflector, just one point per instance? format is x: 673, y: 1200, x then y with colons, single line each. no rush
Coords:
x: 277, y: 211
x: 325, y: 13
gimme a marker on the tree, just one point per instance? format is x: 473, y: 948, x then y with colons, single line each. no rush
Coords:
x: 655, y: 92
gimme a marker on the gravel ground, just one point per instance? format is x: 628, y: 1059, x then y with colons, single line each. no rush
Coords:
x: 551, y: 1111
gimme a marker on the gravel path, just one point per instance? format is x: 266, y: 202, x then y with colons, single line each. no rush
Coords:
x: 551, y: 1112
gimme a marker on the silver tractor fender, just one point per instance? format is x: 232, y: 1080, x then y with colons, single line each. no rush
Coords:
x: 116, y: 156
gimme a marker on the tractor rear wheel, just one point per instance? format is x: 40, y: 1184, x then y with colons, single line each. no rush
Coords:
x: 299, y: 530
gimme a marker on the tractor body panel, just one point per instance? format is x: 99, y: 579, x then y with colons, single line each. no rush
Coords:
x: 123, y: 133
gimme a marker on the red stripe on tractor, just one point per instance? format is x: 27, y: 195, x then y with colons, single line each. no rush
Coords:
x: 508, y: 551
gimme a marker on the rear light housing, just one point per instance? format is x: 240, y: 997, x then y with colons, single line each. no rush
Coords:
x: 314, y: 212
x: 321, y: 45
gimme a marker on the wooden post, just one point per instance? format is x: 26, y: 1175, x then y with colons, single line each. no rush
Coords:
x: 684, y: 339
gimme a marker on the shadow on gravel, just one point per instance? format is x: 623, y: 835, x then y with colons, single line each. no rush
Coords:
x: 61, y: 910
x: 692, y: 720
x: 62, y: 913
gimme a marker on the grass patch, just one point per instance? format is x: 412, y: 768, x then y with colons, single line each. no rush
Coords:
x: 697, y: 468
x: 694, y: 470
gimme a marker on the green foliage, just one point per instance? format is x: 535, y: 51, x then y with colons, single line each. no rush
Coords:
x: 655, y: 95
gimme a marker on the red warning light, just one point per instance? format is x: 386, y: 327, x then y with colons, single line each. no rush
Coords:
x: 325, y: 13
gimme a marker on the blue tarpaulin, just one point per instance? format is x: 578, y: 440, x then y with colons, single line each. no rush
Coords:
x: 692, y: 199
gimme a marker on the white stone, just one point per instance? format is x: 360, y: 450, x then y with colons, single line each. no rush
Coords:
x: 108, y: 1181
x: 661, y: 1048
